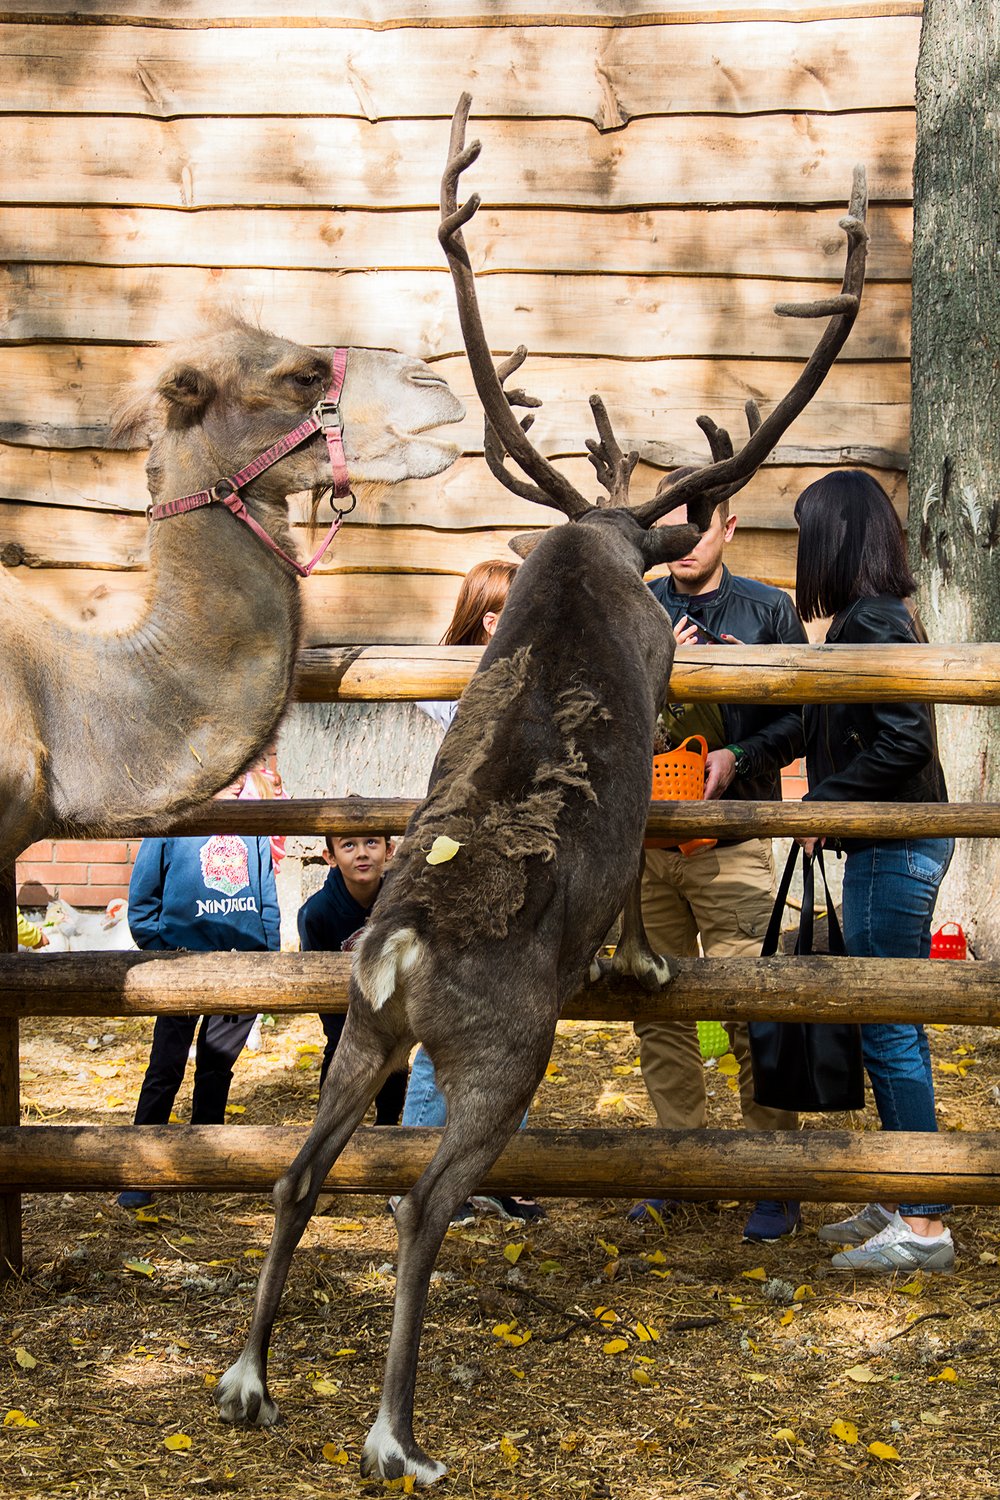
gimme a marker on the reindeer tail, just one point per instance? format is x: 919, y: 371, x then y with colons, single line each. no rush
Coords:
x: 385, y: 956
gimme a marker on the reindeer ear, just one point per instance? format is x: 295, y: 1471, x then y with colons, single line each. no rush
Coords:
x: 662, y: 544
x: 526, y: 542
x: 187, y: 389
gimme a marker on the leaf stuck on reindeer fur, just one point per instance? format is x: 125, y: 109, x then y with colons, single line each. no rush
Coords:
x: 442, y: 849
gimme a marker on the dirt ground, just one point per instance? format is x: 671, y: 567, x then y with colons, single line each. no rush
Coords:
x: 672, y: 1364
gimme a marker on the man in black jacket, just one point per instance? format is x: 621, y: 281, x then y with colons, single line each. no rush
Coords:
x: 722, y: 894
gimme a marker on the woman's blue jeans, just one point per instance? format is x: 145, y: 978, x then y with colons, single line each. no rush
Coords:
x: 890, y: 891
x: 425, y: 1104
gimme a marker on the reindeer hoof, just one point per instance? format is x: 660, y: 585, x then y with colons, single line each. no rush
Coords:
x: 242, y: 1397
x: 385, y: 1456
x: 651, y: 970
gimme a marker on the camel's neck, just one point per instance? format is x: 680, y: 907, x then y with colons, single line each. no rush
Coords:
x: 147, y: 723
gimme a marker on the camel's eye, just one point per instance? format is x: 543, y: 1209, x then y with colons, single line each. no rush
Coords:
x: 307, y: 380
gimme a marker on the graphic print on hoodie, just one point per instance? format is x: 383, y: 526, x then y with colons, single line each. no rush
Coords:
x: 209, y: 894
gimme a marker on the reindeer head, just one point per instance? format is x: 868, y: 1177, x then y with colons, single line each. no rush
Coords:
x: 699, y: 489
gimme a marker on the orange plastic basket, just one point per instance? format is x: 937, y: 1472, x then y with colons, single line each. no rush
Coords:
x: 679, y: 776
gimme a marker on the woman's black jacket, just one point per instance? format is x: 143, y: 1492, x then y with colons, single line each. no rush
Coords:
x: 873, y: 752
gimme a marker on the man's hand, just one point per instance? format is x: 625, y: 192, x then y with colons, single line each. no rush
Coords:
x: 686, y: 632
x: 720, y: 768
x: 810, y: 845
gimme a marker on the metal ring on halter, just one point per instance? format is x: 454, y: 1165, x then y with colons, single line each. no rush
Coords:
x: 347, y: 511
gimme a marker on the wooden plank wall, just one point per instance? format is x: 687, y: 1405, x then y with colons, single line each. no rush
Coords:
x: 653, y: 181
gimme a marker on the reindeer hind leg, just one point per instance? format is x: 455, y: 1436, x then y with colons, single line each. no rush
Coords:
x: 483, y: 1114
x: 365, y: 1056
x: 634, y: 958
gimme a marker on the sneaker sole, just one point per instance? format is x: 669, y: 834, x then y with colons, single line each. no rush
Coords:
x: 772, y: 1239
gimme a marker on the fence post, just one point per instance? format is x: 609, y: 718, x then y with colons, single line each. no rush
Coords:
x: 11, y: 1250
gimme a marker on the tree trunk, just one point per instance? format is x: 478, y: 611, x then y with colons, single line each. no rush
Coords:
x: 955, y: 462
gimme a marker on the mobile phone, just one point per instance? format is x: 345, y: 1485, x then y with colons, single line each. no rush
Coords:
x: 710, y: 636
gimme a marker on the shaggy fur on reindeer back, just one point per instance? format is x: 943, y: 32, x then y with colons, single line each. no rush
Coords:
x: 502, y: 804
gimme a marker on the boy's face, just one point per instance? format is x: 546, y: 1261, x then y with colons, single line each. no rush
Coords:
x: 360, y: 858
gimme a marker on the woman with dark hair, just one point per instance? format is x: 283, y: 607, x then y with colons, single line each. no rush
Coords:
x: 852, y: 566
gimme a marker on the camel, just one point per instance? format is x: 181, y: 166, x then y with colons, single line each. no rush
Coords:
x: 107, y: 729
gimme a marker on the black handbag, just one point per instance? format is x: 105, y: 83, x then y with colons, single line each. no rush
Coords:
x: 806, y: 1065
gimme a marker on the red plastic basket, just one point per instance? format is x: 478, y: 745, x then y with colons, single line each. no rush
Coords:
x: 949, y: 942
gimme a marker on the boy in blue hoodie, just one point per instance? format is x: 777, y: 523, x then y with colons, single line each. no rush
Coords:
x: 332, y: 918
x: 208, y: 895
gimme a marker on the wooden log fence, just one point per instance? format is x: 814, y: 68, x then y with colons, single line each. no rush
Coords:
x: 821, y: 1165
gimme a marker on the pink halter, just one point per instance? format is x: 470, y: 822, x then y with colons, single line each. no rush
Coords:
x: 325, y: 417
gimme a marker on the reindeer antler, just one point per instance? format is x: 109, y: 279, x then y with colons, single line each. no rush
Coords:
x: 614, y: 468
x: 508, y: 435
x: 729, y: 472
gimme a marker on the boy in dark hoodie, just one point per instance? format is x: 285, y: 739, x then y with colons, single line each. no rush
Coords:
x: 207, y: 895
x: 332, y: 918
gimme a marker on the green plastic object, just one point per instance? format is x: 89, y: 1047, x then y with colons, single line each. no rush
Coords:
x: 713, y: 1039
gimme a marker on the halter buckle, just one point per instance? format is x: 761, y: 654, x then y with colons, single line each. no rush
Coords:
x: 223, y: 490
x: 327, y: 414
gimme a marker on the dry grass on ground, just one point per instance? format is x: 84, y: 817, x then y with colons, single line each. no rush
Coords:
x: 759, y: 1353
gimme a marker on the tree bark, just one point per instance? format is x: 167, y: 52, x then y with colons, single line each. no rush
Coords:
x: 955, y: 463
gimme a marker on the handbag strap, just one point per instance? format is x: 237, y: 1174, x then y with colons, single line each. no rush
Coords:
x: 804, y: 946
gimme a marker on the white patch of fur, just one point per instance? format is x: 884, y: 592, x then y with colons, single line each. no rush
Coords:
x: 380, y: 971
x: 382, y: 1451
x: 238, y: 1388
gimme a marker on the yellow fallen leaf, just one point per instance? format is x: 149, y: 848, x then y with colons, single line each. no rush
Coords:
x: 569, y: 1442
x: 513, y: 1252
x: 946, y: 1374
x: 606, y: 1315
x: 508, y: 1452
x: 517, y: 1374
x: 863, y: 1375
x: 885, y: 1451
x: 25, y: 1360
x: 611, y: 1250
x: 343, y: 1226
x: 647, y: 1334
x: 113, y: 1102
x: 253, y: 1253
x: 173, y: 1118
x: 140, y: 1267
x: 654, y: 1257
x: 340, y: 1353
x: 728, y: 1066
x: 549, y: 1267
x: 803, y: 1293
x: 143, y: 1216
x: 16, y: 1418
x: 177, y: 1442
x: 757, y: 1274
x: 616, y: 1346
x: 211, y: 1380
x: 302, y: 1048
x: 325, y: 1387
x: 786, y: 1318
x: 334, y: 1454
x: 785, y: 1435
x: 442, y: 849
x: 661, y: 1274
x: 944, y: 1067
x: 622, y: 1070
x: 642, y: 1377
x: 914, y: 1288
x: 844, y: 1431
x: 644, y: 1359
x: 236, y: 1109
x: 501, y: 1330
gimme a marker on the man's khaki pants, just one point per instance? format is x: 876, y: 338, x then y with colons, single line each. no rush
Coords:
x: 724, y: 894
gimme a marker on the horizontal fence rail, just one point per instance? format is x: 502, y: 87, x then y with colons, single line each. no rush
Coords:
x: 725, y: 989
x: 832, y: 1166
x: 671, y: 820
x: 723, y: 674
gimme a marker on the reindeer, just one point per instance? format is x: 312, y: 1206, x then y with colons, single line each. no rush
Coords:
x: 542, y: 785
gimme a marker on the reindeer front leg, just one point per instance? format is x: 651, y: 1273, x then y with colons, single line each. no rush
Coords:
x: 634, y: 958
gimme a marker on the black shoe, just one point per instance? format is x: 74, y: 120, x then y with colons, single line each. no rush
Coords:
x: 509, y: 1208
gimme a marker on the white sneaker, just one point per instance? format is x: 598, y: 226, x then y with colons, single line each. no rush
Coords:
x: 871, y: 1220
x: 897, y: 1249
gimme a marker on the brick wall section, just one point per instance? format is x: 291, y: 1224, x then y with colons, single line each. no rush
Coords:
x: 84, y: 872
x: 793, y: 781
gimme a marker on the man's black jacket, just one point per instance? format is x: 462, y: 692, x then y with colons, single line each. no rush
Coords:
x: 873, y: 752
x: 758, y: 615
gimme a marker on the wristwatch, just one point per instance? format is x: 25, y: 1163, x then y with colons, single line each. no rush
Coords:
x: 740, y: 756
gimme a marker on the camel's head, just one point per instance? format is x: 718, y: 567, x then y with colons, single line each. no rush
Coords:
x: 228, y: 396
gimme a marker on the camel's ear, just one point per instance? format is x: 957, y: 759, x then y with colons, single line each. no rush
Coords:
x: 526, y: 542
x: 186, y: 388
